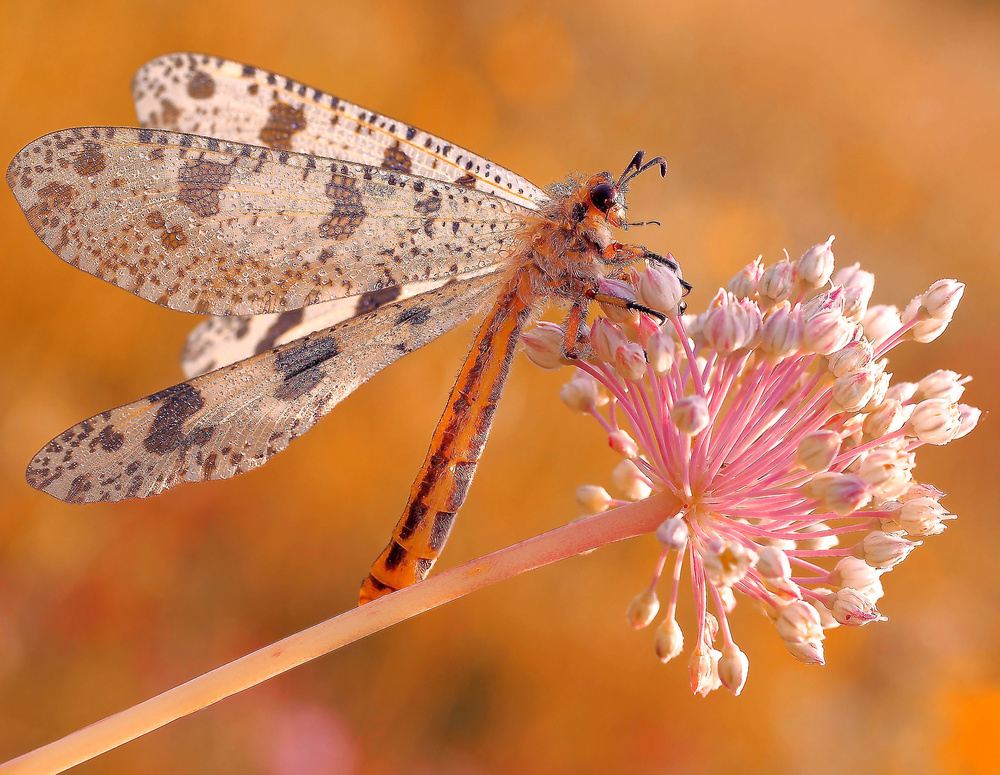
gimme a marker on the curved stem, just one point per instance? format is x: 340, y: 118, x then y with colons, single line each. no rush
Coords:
x: 616, y: 525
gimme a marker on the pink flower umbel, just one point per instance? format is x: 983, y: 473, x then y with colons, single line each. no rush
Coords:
x: 772, y: 417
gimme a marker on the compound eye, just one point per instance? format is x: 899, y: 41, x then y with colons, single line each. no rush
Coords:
x: 603, y: 196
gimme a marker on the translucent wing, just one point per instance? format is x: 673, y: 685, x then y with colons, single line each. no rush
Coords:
x: 219, y: 341
x: 203, y: 225
x: 214, y: 97
x: 234, y: 419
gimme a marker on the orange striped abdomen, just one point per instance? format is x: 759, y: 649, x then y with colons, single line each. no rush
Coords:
x: 458, y: 441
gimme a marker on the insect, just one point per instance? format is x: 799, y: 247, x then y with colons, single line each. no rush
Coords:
x: 329, y: 241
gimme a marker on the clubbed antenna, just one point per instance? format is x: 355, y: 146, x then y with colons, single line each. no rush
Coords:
x: 636, y: 168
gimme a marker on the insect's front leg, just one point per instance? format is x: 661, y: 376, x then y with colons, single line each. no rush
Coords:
x: 576, y: 346
x: 617, y: 254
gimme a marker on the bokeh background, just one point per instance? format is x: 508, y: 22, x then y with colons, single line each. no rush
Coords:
x: 783, y: 122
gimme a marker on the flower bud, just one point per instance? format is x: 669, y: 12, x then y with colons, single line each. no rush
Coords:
x: 581, y: 393
x: 887, y: 472
x: 733, y: 668
x: 592, y: 499
x: 772, y: 564
x: 782, y: 330
x: 852, y: 356
x: 816, y: 487
x: 816, y: 265
x: 855, y: 389
x: 827, y: 332
x: 606, y: 337
x: 722, y: 325
x: 847, y: 493
x: 817, y: 542
x: 881, y: 322
x: 935, y: 421
x: 630, y: 360
x: 660, y: 352
x: 817, y: 450
x: 858, y: 285
x: 622, y: 443
x: 884, y: 419
x: 543, y: 345
x: 809, y: 652
x: 928, y: 330
x: 660, y: 289
x: 902, y: 391
x: 884, y: 551
x: 630, y: 481
x: 922, y: 517
x: 969, y: 417
x: 798, y: 622
x: 690, y: 414
x: 673, y: 533
x: 941, y: 299
x: 857, y: 574
x: 669, y: 640
x: 729, y: 564
x: 776, y: 283
x: 851, y: 608
x: 942, y: 383
x: 643, y: 608
x: 703, y: 670
x: 744, y: 283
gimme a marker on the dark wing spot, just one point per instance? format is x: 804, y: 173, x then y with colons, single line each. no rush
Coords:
x: 430, y: 205
x: 201, y: 183
x: 283, y: 121
x: 177, y: 404
x: 200, y: 86
x: 300, y: 364
x: 395, y: 159
x: 110, y: 439
x: 467, y: 180
x: 375, y: 299
x: 415, y: 316
x: 348, y: 211
x: 284, y: 321
x: 89, y: 160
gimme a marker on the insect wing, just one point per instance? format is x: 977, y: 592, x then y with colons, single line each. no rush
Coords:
x: 221, y: 340
x: 218, y: 98
x: 203, y: 225
x: 234, y: 419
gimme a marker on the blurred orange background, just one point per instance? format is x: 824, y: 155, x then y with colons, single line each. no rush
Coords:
x: 783, y: 122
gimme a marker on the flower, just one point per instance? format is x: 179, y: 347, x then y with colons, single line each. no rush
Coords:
x: 772, y: 418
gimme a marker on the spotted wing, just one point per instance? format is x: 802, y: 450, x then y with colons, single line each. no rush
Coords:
x: 214, y: 97
x: 221, y: 340
x: 234, y: 419
x: 202, y: 225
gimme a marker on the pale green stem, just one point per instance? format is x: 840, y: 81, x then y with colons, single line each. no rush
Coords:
x: 618, y: 524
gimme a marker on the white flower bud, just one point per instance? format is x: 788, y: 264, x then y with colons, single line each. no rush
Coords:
x: 643, y: 609
x: 816, y: 265
x: 856, y: 388
x: 943, y: 384
x: 857, y: 574
x: 630, y: 481
x: 858, y: 285
x: 810, y: 652
x: 928, y: 330
x: 776, y: 283
x: 881, y: 322
x: 690, y: 414
x: 622, y: 443
x: 852, y: 356
x: 798, y: 622
x: 941, y: 299
x: 543, y: 345
x: 887, y: 472
x: 669, y: 640
x: 744, y: 283
x: 846, y: 494
x: 703, y: 670
x: 660, y: 352
x: 884, y: 419
x: 660, y: 289
x: 606, y: 337
x: 733, y: 669
x: 884, y: 551
x: 935, y: 421
x: 902, y: 391
x: 817, y: 450
x: 729, y: 564
x: 827, y: 332
x: 630, y: 360
x: 817, y: 542
x: 772, y: 564
x: 673, y: 533
x: 969, y: 419
x: 782, y: 331
x: 922, y: 517
x: 852, y: 608
x: 581, y: 393
x: 592, y: 499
